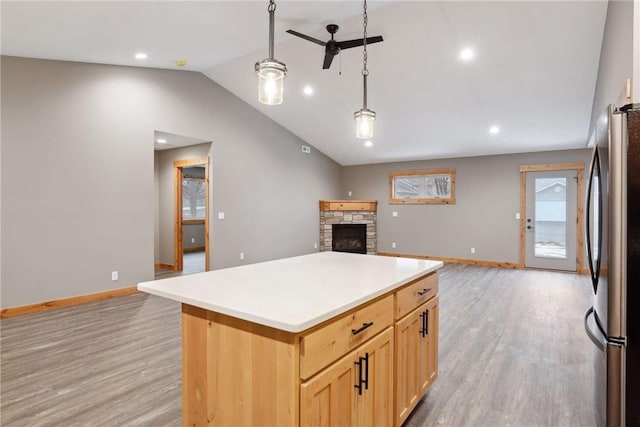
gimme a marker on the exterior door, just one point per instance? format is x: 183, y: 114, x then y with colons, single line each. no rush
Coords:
x: 551, y: 220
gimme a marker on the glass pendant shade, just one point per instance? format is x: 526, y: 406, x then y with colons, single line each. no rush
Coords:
x: 271, y: 75
x: 364, y: 123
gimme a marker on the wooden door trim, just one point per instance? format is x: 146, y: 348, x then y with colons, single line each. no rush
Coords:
x: 577, y: 166
x: 178, y: 249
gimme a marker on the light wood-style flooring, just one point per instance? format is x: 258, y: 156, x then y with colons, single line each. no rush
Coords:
x: 512, y: 353
x: 192, y: 262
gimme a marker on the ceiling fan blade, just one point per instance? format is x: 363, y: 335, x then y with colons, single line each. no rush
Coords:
x: 358, y: 42
x: 327, y: 61
x: 306, y: 37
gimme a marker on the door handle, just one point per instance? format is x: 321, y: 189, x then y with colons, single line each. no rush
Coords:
x: 597, y: 341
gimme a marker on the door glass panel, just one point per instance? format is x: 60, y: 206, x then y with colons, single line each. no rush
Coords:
x: 193, y: 198
x: 551, y: 218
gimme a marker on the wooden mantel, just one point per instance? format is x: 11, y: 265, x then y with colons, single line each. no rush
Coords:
x: 348, y: 205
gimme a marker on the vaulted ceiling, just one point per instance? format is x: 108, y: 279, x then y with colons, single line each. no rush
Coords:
x: 533, y: 73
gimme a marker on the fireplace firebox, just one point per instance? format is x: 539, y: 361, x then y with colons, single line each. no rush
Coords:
x: 349, y: 238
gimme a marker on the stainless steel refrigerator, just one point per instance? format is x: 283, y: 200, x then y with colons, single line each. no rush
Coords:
x: 613, y: 249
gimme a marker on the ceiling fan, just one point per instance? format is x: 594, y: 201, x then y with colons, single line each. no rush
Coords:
x: 333, y: 47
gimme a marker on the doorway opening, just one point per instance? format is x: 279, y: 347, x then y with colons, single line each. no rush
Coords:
x: 191, y: 214
x: 182, y: 204
x: 551, y: 199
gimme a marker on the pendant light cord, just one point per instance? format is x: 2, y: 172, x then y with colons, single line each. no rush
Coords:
x: 365, y: 71
x: 272, y: 9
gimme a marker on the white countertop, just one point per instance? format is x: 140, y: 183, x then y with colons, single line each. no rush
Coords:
x: 293, y: 294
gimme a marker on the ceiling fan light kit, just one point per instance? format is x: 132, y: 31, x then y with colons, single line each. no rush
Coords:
x: 271, y: 72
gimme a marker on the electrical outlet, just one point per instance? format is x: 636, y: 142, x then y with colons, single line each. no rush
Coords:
x: 193, y: 240
x: 517, y: 215
x: 394, y: 214
x: 393, y: 245
x: 350, y: 193
x: 241, y: 255
x: 220, y: 215
x: 315, y: 245
x: 306, y: 149
x: 473, y: 250
x: 114, y: 276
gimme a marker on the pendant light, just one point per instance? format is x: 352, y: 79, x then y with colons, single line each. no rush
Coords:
x: 270, y: 71
x: 364, y: 117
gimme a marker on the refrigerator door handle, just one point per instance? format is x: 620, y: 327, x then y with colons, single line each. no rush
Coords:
x: 600, y: 343
x: 594, y: 270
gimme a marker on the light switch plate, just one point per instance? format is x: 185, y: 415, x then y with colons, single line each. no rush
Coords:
x: 517, y: 215
x: 220, y: 215
x: 394, y: 214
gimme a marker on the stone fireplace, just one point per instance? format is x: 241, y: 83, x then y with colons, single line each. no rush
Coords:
x: 350, y: 220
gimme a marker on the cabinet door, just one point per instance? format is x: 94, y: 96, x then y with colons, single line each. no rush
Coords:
x: 416, y: 357
x: 355, y: 391
x: 375, y: 404
x: 429, y: 347
x: 408, y: 355
x: 329, y: 398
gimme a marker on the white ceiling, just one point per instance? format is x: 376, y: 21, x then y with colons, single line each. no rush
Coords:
x: 533, y: 75
x: 166, y: 141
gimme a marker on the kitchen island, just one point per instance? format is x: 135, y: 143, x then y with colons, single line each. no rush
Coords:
x: 323, y: 339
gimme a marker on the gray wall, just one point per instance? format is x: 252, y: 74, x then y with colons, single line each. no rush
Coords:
x: 487, y: 199
x: 165, y: 202
x: 616, y: 59
x: 193, y: 232
x: 80, y: 137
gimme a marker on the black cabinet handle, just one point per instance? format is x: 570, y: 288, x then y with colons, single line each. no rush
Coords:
x: 362, y: 328
x: 426, y: 322
x: 362, y: 381
x: 366, y: 370
x: 424, y: 291
x: 359, y: 382
x: 424, y: 330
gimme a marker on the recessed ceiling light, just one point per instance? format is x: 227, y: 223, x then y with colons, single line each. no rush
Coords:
x: 141, y: 55
x: 368, y: 144
x: 494, y: 129
x: 467, y: 54
x: 161, y: 141
x: 308, y: 90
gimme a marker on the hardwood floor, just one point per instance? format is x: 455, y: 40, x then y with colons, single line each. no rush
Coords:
x: 512, y: 353
x: 192, y: 262
x: 111, y: 363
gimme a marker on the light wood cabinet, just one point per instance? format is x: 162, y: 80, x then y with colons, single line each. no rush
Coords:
x: 357, y: 390
x: 333, y: 340
x: 367, y: 367
x: 416, y: 343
